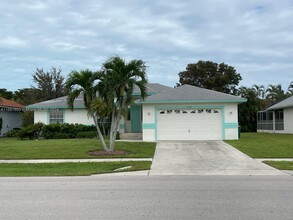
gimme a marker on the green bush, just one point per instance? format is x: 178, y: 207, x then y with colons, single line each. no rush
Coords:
x: 31, y: 132
x: 12, y: 133
x: 87, y: 134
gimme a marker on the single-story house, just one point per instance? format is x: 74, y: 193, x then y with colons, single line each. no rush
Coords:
x: 10, y: 112
x: 277, y: 118
x: 182, y: 113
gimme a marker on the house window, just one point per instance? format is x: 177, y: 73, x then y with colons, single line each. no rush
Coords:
x: 279, y: 120
x: 56, y: 116
x: 265, y: 120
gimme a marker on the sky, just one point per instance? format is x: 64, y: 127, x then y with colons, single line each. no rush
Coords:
x: 254, y: 36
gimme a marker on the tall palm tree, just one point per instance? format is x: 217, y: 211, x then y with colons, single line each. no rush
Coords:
x: 259, y: 90
x: 85, y: 83
x: 117, y: 86
x: 275, y: 93
x: 290, y: 89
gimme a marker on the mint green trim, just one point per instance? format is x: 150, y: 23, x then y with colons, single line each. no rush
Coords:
x: 52, y: 107
x: 223, y: 123
x: 164, y: 107
x: 231, y: 125
x: 156, y: 123
x: 149, y: 125
x: 122, y: 126
x: 192, y: 101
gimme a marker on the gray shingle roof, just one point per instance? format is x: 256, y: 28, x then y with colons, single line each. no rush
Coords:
x: 152, y: 88
x: 188, y: 93
x: 287, y: 103
x: 61, y: 102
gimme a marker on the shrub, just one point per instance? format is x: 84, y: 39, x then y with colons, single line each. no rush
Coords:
x: 87, y: 134
x: 12, y: 133
x: 31, y: 131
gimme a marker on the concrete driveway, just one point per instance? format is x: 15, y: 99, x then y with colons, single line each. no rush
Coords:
x: 205, y: 158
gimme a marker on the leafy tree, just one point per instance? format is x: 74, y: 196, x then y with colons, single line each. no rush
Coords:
x: 50, y: 83
x: 84, y: 83
x: 248, y: 110
x: 6, y: 94
x: 117, y: 85
x: 210, y: 75
x: 27, y: 96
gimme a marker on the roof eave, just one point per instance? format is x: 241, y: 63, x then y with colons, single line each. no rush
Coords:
x: 190, y: 101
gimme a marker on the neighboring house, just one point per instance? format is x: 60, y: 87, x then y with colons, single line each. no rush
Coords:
x: 182, y: 113
x: 277, y: 118
x: 10, y: 112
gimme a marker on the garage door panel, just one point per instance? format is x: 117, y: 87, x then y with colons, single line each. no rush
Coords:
x: 198, y: 124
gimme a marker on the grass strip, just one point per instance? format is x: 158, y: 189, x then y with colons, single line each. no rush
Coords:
x: 12, y: 148
x: 264, y: 145
x: 281, y: 165
x: 69, y: 169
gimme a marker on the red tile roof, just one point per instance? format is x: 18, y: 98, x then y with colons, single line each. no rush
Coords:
x: 9, y: 104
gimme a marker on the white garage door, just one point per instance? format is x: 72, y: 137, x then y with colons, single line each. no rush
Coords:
x: 191, y: 124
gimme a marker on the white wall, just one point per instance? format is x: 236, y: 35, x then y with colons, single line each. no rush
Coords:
x: 78, y: 116
x: 41, y: 116
x: 288, y: 120
x: 230, y: 123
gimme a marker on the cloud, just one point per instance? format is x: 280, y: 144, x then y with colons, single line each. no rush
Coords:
x: 12, y: 42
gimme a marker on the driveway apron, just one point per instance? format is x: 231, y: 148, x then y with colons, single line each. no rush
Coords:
x: 205, y: 158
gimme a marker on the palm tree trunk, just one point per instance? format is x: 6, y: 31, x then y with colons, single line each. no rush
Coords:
x: 114, y: 125
x: 100, y: 133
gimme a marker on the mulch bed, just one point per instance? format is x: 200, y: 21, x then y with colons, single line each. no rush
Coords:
x: 107, y: 153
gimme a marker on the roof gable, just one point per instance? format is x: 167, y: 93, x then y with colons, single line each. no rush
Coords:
x: 189, y: 93
x: 287, y: 103
x: 10, y: 104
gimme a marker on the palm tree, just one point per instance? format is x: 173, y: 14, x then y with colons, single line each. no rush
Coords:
x: 259, y: 90
x: 275, y: 93
x: 117, y: 86
x: 85, y: 83
x: 290, y: 89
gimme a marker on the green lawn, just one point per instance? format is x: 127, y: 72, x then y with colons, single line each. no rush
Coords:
x: 263, y: 145
x: 281, y: 165
x: 12, y: 148
x: 69, y: 169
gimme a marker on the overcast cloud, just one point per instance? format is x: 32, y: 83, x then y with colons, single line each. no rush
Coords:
x: 254, y: 36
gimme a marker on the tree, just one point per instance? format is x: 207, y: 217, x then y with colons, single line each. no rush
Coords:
x: 117, y: 85
x: 51, y: 84
x: 260, y: 91
x: 210, y: 75
x: 248, y: 110
x: 6, y: 94
x: 275, y: 93
x: 290, y: 89
x: 85, y: 83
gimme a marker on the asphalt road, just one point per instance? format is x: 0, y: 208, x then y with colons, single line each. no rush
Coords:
x: 147, y: 197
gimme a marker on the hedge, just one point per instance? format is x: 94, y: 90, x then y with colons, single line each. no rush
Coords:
x: 57, y: 131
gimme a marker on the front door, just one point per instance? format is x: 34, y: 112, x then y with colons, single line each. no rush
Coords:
x: 135, y: 117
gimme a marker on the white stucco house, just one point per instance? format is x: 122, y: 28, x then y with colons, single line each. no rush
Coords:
x: 277, y: 118
x: 10, y: 112
x: 182, y: 113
